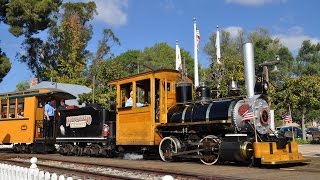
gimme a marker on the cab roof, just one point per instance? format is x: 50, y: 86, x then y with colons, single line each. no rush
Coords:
x: 38, y: 92
x: 155, y: 72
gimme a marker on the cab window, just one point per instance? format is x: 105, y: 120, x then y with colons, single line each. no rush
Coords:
x: 4, y: 106
x: 12, y: 108
x: 20, y: 112
x: 143, y: 93
x: 125, y: 90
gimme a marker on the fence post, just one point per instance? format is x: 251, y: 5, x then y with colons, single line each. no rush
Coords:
x: 61, y: 177
x: 47, y: 176
x: 1, y: 171
x: 33, y: 168
x: 6, y: 171
x: 36, y: 174
x: 25, y: 173
x: 41, y: 175
x: 54, y: 176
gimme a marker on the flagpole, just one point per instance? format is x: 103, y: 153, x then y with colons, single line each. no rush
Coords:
x: 196, y: 76
x: 178, y: 56
x: 218, y: 54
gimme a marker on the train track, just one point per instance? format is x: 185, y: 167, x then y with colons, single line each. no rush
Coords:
x: 83, y: 170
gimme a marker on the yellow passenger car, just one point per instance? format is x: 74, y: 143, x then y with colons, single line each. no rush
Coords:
x: 22, y: 119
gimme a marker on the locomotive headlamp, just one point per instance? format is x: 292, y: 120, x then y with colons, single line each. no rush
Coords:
x: 265, y: 86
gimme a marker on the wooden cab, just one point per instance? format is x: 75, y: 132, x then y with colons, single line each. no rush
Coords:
x: 152, y: 93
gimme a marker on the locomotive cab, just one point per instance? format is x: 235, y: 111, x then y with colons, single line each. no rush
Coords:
x: 143, y: 101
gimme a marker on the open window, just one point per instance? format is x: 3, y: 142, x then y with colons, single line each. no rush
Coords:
x: 126, y: 95
x: 20, y: 112
x: 143, y: 93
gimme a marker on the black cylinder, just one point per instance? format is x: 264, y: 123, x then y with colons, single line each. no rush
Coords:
x: 203, y: 93
x: 112, y: 129
x: 236, y: 149
x: 183, y: 92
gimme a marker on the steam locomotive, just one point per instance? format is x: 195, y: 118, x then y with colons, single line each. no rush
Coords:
x: 165, y: 118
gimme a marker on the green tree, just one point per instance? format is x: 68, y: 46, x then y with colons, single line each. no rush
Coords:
x: 5, y: 65
x: 64, y: 56
x: 27, y: 16
x: 308, y: 59
x: 162, y: 56
x: 301, y: 94
x: 21, y: 86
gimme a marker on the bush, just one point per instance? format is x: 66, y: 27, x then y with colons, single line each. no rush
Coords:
x: 301, y: 141
x: 315, y: 141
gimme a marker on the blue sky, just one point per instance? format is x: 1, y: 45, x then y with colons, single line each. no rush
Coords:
x: 142, y: 23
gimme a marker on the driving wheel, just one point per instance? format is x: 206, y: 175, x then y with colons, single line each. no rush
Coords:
x: 208, y: 150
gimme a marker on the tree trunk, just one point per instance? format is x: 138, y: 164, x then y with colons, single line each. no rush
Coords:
x: 303, y: 124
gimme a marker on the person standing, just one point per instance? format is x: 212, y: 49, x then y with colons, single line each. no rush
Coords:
x: 62, y: 106
x: 49, y: 111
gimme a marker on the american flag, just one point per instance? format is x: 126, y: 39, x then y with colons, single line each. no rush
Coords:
x: 249, y: 114
x: 198, y: 38
x: 286, y: 117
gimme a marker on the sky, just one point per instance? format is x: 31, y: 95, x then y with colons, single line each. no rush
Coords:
x: 142, y: 23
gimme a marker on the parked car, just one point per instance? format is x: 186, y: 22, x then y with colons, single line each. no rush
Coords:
x: 312, y: 129
x: 286, y: 131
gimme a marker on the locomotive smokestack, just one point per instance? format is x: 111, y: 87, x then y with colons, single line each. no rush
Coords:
x: 249, y: 68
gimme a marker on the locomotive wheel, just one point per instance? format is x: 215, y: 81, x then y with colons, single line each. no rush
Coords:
x: 168, y: 146
x: 210, y: 154
x: 17, y: 148
x: 76, y: 150
x: 67, y: 149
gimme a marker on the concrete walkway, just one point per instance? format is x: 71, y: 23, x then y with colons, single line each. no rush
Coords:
x: 310, y: 150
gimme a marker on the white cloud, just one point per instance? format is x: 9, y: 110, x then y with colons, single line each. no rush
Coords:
x: 233, y: 30
x: 112, y: 11
x: 294, y: 37
x: 254, y: 2
x: 168, y: 4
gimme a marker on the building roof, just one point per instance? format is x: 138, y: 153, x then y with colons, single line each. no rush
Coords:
x: 73, y: 89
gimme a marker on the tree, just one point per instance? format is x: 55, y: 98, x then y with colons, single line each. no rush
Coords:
x: 5, y: 65
x: 301, y: 94
x: 162, y: 56
x: 21, y: 86
x: 27, y: 16
x: 63, y: 56
x: 308, y: 59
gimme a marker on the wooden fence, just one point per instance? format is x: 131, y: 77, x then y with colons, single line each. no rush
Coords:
x: 12, y: 172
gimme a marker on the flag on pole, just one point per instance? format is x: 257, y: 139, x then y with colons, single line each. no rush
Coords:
x: 198, y: 38
x: 178, y: 57
x: 248, y: 115
x: 218, y: 46
x: 286, y: 117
